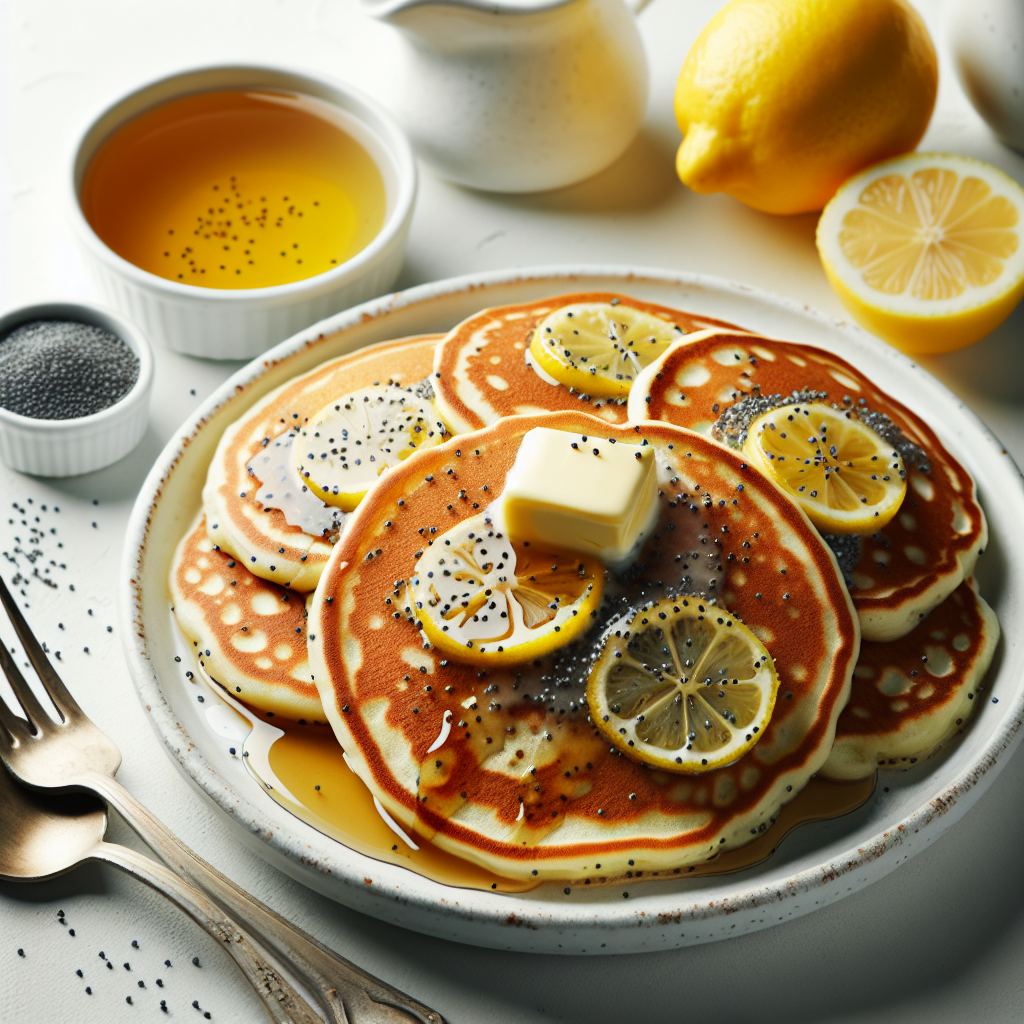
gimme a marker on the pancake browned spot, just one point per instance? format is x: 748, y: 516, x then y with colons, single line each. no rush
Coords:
x: 901, y: 572
x: 909, y: 696
x: 481, y: 371
x: 237, y: 521
x: 503, y: 767
x: 249, y: 634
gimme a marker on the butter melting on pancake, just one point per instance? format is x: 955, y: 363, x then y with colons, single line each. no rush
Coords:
x: 503, y: 768
x: 910, y: 696
x: 482, y: 371
x: 249, y: 634
x: 900, y: 573
x: 256, y: 531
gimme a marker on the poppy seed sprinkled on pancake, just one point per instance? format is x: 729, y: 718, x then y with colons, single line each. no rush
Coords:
x: 260, y: 535
x: 923, y: 554
x: 481, y: 372
x: 521, y: 781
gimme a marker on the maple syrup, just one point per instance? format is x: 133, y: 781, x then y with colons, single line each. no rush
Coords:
x: 234, y: 189
x: 309, y: 762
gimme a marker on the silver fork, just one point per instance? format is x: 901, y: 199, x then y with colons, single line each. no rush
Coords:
x: 74, y: 754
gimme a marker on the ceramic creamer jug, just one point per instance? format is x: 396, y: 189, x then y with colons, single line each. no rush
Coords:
x: 515, y: 95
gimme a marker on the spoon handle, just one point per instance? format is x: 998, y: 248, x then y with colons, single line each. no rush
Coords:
x: 346, y: 993
x: 283, y: 1004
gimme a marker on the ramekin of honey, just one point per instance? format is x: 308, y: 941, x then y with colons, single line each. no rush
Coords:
x: 226, y: 208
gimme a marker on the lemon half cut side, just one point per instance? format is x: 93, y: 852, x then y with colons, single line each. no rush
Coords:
x: 927, y: 250
x: 483, y: 599
x: 599, y: 348
x: 683, y: 685
x: 846, y: 477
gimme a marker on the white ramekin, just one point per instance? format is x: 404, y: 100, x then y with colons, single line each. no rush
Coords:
x: 80, y: 445
x: 240, y: 324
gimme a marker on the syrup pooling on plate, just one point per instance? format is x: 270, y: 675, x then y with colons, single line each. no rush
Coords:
x: 234, y: 189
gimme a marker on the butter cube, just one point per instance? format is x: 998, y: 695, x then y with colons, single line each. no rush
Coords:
x: 579, y: 492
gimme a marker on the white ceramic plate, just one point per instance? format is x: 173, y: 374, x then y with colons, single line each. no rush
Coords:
x: 816, y: 865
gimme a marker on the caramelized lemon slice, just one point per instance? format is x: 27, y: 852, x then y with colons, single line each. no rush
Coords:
x: 927, y: 250
x: 600, y: 349
x: 483, y: 599
x: 841, y: 473
x: 683, y: 685
x: 349, y: 443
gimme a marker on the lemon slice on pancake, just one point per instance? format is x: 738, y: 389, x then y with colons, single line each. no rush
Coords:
x: 683, y: 685
x: 483, y: 599
x: 599, y: 348
x: 846, y: 477
x: 349, y: 443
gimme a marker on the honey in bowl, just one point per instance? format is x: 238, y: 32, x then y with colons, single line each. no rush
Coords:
x: 234, y: 189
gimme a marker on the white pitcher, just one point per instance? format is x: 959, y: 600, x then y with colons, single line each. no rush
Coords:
x: 516, y: 95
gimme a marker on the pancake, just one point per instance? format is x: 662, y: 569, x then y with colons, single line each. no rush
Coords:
x: 481, y: 372
x: 901, y: 572
x: 238, y: 523
x: 249, y: 634
x: 502, y: 766
x: 912, y: 695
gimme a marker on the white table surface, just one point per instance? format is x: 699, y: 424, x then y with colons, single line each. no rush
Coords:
x: 939, y: 940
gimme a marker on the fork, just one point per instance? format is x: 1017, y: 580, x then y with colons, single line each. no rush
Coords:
x: 74, y: 754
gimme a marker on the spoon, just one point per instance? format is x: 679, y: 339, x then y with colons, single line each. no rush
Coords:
x: 42, y: 837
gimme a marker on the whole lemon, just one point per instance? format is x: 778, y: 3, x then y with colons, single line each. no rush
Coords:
x: 780, y: 101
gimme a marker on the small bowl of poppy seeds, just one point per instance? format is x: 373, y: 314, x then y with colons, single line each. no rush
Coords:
x: 75, y: 382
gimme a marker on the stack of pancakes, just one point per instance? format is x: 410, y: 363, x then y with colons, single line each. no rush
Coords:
x: 503, y: 766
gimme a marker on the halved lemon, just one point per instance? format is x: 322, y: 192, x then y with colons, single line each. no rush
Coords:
x: 483, y: 599
x: 599, y: 348
x: 927, y: 250
x: 846, y: 477
x: 683, y: 685
x: 342, y: 450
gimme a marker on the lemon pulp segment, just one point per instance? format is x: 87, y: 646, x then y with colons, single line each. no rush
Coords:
x: 482, y: 598
x: 600, y: 349
x: 349, y: 443
x: 926, y: 251
x: 683, y: 685
x: 846, y: 477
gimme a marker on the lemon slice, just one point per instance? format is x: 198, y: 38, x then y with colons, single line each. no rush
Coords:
x: 599, y: 348
x: 483, y: 599
x: 349, y: 443
x: 926, y: 251
x: 683, y: 685
x: 846, y: 477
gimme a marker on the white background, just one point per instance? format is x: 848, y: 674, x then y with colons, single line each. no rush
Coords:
x: 940, y: 940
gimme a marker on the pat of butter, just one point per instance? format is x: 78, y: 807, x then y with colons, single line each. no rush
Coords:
x: 582, y: 493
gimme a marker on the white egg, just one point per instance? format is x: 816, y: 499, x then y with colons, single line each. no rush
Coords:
x: 987, y: 39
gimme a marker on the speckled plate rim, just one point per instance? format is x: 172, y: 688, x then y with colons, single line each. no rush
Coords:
x: 659, y: 915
